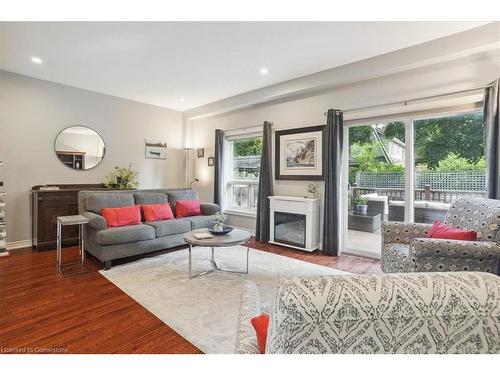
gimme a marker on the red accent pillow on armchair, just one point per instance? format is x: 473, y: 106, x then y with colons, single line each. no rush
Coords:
x: 440, y: 230
x: 155, y: 212
x: 185, y: 208
x: 122, y: 216
x: 260, y: 324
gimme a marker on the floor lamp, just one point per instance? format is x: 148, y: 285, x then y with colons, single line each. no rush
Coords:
x: 187, y: 166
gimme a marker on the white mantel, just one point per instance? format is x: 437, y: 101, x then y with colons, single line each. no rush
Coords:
x: 308, y: 208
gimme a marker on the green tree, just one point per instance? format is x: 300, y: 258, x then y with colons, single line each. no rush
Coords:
x: 453, y: 162
x: 436, y: 138
x: 248, y: 147
x: 395, y: 129
x: 365, y: 160
x: 360, y: 135
x: 462, y: 135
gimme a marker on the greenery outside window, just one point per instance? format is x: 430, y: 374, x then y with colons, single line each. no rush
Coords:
x: 242, y: 174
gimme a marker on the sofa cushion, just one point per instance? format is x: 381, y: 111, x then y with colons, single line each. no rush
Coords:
x: 122, y: 216
x: 198, y: 222
x: 187, y: 208
x: 176, y: 195
x: 120, y: 235
x: 157, y: 212
x: 440, y: 230
x: 479, y: 214
x: 150, y: 198
x: 170, y: 227
x: 97, y: 201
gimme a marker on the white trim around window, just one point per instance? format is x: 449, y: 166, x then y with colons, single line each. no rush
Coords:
x: 230, y: 183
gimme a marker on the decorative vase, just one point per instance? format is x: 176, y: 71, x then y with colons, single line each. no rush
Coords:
x: 218, y: 227
x: 361, y: 209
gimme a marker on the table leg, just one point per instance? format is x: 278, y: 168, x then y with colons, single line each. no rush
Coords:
x: 248, y: 250
x: 58, y: 248
x: 190, y: 262
x: 214, y: 263
x: 82, y: 244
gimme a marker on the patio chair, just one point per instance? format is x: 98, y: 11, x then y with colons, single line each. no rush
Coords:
x: 406, y: 248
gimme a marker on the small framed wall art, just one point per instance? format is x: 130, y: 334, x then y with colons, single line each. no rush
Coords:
x: 201, y: 152
x: 211, y: 161
x: 156, y: 149
x: 299, y: 153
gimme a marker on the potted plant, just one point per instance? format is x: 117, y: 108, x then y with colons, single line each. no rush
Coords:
x: 122, y: 178
x: 311, y: 189
x: 219, y: 221
x: 361, y: 205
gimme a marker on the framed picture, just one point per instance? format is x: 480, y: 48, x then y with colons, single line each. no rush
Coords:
x: 156, y: 149
x: 211, y: 161
x: 201, y: 152
x: 299, y: 153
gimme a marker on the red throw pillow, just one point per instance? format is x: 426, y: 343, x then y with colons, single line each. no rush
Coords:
x: 187, y: 208
x: 440, y: 230
x: 121, y: 216
x: 155, y: 212
x: 260, y: 324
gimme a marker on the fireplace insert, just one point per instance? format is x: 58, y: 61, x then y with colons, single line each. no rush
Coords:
x: 290, y: 228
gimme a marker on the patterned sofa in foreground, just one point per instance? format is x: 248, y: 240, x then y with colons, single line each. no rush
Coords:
x: 453, y: 312
x: 405, y: 247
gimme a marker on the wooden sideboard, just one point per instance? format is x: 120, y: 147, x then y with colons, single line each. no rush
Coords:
x: 47, y: 205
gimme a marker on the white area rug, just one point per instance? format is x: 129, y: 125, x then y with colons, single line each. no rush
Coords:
x: 205, y: 310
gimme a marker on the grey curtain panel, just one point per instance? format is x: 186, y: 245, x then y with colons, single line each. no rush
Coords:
x: 219, y: 145
x: 491, y: 121
x: 265, y: 185
x: 332, y: 158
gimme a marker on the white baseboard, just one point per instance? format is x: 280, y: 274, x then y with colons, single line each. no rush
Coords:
x: 18, y: 244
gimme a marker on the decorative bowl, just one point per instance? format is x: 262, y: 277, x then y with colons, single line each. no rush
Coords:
x: 225, y: 230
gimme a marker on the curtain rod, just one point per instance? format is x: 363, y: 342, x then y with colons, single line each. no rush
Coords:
x: 245, y: 128
x: 404, y: 103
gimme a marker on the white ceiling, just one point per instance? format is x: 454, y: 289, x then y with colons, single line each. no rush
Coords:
x: 160, y: 62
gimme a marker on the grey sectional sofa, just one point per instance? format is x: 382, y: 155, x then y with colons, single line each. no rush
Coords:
x: 107, y: 244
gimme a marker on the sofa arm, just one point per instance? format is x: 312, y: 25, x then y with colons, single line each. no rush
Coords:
x: 246, y: 338
x: 394, y: 232
x: 436, y: 247
x: 209, y: 209
x: 95, y: 221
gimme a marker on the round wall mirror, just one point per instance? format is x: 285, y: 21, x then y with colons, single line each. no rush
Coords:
x: 79, y: 147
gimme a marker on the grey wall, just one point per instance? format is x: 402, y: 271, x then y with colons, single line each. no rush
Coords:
x: 33, y: 112
x: 441, y: 77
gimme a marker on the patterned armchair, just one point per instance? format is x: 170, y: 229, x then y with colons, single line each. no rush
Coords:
x: 406, y: 248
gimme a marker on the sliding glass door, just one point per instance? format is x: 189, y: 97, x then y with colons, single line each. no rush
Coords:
x: 408, y: 169
x: 449, y: 163
x: 376, y: 183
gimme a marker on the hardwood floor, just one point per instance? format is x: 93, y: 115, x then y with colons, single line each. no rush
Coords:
x: 42, y: 312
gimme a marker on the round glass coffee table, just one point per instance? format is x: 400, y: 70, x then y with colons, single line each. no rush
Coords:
x: 233, y: 238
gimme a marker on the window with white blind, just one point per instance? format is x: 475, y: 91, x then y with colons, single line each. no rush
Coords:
x: 242, y: 170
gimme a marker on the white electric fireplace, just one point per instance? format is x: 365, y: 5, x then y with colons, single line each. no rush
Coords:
x: 294, y: 222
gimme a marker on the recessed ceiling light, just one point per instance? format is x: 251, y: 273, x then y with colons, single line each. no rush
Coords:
x: 264, y: 70
x: 36, y: 60
x: 182, y: 99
